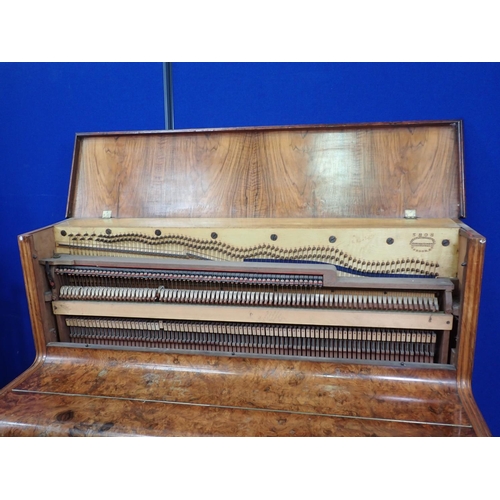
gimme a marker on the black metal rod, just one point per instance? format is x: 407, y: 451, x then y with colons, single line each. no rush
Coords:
x: 168, y: 93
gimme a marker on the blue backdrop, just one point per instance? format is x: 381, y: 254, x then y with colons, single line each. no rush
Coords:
x: 42, y: 106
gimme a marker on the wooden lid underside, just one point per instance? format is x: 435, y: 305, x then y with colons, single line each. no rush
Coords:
x: 368, y: 170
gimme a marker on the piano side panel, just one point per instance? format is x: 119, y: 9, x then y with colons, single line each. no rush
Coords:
x: 472, y: 249
x: 33, y: 246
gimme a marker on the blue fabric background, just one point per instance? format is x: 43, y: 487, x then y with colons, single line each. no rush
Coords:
x: 42, y: 107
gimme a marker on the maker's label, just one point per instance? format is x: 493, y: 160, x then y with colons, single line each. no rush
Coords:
x: 422, y: 242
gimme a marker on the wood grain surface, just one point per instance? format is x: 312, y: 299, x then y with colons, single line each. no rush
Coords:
x: 54, y: 415
x: 271, y: 315
x: 200, y: 394
x: 467, y: 328
x: 328, y: 171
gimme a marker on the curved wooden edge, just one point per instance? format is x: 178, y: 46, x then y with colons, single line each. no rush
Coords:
x: 32, y: 246
x: 36, y: 365
x: 474, y: 259
x: 27, y: 251
x: 469, y: 403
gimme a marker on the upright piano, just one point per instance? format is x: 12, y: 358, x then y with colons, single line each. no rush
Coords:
x: 268, y: 281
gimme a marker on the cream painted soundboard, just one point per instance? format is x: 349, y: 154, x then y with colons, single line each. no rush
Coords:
x: 407, y: 246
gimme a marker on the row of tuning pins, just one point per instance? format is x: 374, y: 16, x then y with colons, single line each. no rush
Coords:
x: 223, y: 251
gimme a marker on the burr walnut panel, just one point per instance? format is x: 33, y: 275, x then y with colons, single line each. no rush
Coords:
x: 56, y: 415
x: 403, y: 393
x: 325, y: 171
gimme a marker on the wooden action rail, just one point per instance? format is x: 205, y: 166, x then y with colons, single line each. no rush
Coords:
x: 168, y: 303
x: 238, y: 272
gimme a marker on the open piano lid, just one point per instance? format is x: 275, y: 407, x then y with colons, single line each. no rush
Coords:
x: 375, y: 170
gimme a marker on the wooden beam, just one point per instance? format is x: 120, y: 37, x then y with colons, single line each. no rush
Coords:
x: 276, y: 315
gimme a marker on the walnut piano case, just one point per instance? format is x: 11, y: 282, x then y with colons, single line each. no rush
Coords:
x: 281, y: 281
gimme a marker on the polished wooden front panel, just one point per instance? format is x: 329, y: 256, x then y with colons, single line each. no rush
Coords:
x: 54, y: 415
x: 126, y: 391
x: 331, y: 171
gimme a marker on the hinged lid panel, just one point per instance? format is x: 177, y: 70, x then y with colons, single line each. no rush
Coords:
x: 366, y: 170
